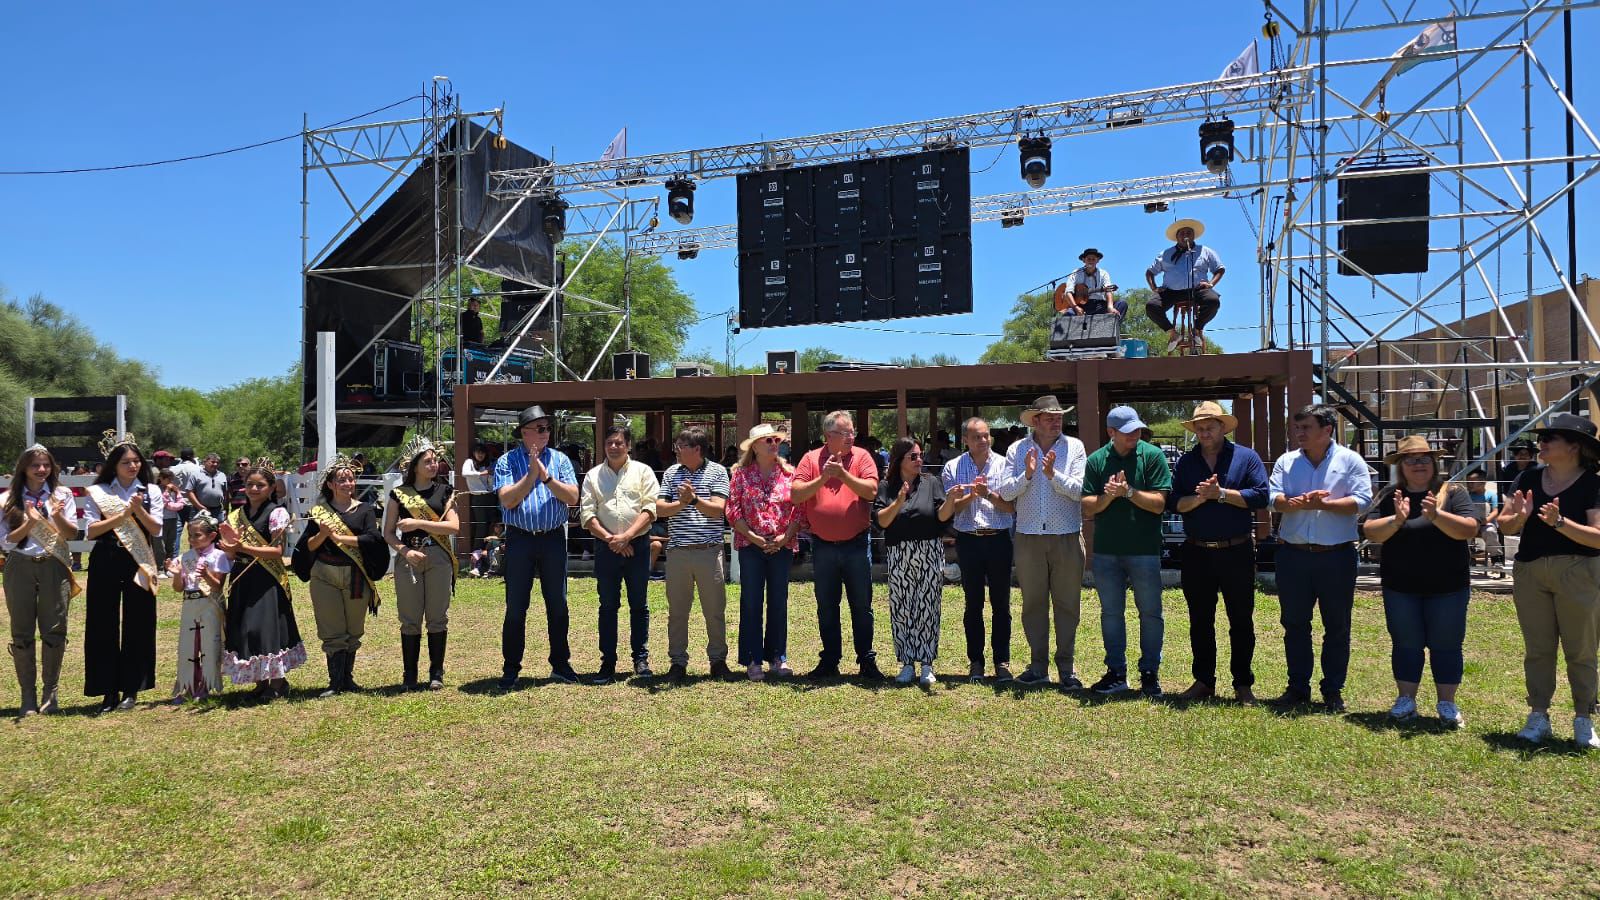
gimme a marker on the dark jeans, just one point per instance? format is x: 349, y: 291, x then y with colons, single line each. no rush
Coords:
x: 1436, y: 623
x: 544, y: 554
x: 843, y: 565
x: 1232, y: 571
x: 1206, y: 301
x: 1098, y: 307
x: 986, y: 563
x: 1306, y: 581
x: 170, y: 529
x: 764, y: 589
x: 611, y: 572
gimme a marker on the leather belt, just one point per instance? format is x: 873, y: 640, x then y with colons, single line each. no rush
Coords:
x: 525, y: 531
x: 1320, y: 548
x: 985, y: 532
x: 1221, y: 545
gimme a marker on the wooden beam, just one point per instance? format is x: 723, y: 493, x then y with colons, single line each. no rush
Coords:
x: 902, y: 426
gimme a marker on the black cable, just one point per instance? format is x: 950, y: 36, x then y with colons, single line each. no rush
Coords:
x: 198, y: 156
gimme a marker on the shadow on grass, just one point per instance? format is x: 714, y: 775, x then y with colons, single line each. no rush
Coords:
x: 1417, y: 726
x: 1507, y: 741
x: 491, y: 686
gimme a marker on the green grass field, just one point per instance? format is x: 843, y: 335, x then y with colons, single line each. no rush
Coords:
x: 780, y: 789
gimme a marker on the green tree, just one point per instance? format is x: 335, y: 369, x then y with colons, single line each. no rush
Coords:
x: 662, y: 312
x: 254, y: 418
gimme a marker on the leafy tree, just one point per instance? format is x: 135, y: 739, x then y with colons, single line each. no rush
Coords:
x: 662, y: 312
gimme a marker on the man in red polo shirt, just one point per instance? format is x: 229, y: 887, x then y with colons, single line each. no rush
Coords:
x: 837, y: 483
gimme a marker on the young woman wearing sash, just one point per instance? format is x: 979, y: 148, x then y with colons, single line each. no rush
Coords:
x: 263, y: 642
x: 123, y: 516
x: 41, y: 516
x: 425, y: 570
x: 342, y: 555
x: 197, y: 576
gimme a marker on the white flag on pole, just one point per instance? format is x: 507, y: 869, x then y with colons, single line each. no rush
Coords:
x: 618, y: 148
x: 1246, y: 63
x: 1434, y: 41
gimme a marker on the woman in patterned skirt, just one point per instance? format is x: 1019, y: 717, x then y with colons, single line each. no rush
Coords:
x: 912, y: 512
x: 263, y: 641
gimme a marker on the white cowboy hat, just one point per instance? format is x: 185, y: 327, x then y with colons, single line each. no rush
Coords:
x: 1198, y: 226
x: 764, y: 429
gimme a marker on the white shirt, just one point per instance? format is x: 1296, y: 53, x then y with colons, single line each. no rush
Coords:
x: 1343, y: 473
x: 91, y: 510
x: 1042, y: 509
x: 32, y: 547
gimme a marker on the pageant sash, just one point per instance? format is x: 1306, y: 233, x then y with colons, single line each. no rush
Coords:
x: 250, y: 537
x: 324, y: 515
x: 419, y: 509
x: 50, y: 539
x: 130, y: 536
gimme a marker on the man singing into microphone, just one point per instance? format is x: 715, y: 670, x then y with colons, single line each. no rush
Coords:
x: 1189, y: 273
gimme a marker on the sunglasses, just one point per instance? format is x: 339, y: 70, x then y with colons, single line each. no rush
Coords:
x: 913, y: 456
x: 771, y: 440
x: 541, y: 429
x: 1416, y: 460
x: 1546, y: 438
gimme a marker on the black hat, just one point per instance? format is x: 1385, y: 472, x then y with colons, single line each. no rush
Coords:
x: 1089, y: 251
x: 1577, y: 429
x: 532, y: 414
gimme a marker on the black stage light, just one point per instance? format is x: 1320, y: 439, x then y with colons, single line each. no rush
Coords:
x: 688, y: 249
x: 1216, y: 145
x: 1034, y: 153
x: 1160, y: 206
x: 680, y: 200
x: 1011, y: 218
x: 555, y: 218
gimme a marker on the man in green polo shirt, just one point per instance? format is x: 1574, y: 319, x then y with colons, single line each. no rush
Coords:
x: 1125, y: 486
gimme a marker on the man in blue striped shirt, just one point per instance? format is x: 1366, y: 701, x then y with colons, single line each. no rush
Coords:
x: 536, y: 486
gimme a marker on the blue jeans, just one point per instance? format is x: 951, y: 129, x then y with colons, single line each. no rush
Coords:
x: 843, y: 567
x: 1435, y: 622
x: 1307, y: 581
x: 1113, y: 575
x: 763, y: 589
x: 545, y: 555
x: 611, y: 572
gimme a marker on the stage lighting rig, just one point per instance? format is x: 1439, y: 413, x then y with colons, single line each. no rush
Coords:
x: 680, y: 200
x: 1160, y: 206
x: 1216, y: 145
x: 688, y: 249
x: 1012, y: 217
x: 555, y: 218
x: 1034, y: 154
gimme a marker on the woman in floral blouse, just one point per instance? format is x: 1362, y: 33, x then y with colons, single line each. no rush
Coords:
x: 766, y: 525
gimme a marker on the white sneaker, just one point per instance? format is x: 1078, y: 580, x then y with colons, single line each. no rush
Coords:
x: 927, y: 679
x: 1537, y: 731
x: 1583, y: 734
x: 1450, y: 714
x: 1404, y: 709
x: 908, y: 674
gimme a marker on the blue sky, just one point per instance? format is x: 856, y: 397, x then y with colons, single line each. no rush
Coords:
x: 195, y: 268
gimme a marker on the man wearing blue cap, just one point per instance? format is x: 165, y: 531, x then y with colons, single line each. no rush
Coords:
x: 1125, y: 486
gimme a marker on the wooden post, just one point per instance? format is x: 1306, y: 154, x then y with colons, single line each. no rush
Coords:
x: 1243, y: 435
x: 465, y: 437
x: 1091, y: 415
x: 799, y: 426
x: 717, y: 428
x: 933, y: 419
x: 902, y: 426
x: 601, y: 423
x: 1262, y: 442
x: 1277, y: 408
x: 745, y: 403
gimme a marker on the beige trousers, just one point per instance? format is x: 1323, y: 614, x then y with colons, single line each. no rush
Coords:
x: 1558, y: 602
x: 423, y: 593
x: 341, y: 618
x: 690, y: 569
x: 1050, y: 574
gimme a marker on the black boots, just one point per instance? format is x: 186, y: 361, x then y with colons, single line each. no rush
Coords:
x: 341, y: 673
x: 410, y: 648
x: 436, y: 641
x: 350, y: 672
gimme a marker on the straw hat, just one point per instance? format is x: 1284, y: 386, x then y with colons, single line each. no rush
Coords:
x: 1198, y: 226
x: 1411, y: 445
x: 1211, y: 410
x: 1046, y: 404
x: 762, y: 430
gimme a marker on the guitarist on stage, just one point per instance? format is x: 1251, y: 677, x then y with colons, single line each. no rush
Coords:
x: 1089, y: 291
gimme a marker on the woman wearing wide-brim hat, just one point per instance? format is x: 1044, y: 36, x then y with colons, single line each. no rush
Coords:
x: 766, y: 525
x: 1556, y: 576
x: 1425, y: 527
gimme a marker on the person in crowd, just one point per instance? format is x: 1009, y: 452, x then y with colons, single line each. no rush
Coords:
x: 1485, y: 504
x: 343, y: 556
x: 880, y: 456
x: 766, y: 525
x: 419, y: 522
x: 472, y: 323
x: 477, y: 470
x: 1555, y: 506
x: 123, y: 517
x: 836, y: 484
x: 536, y: 486
x: 262, y: 642
x: 1089, y: 290
x: 1044, y: 477
x: 617, y: 506
x: 983, y: 546
x: 208, y: 490
x: 694, y: 493
x: 486, y: 560
x: 236, y: 483
x: 913, y: 511
x: 1216, y: 486
x: 1522, y: 454
x: 173, y: 504
x: 1125, y: 487
x: 1189, y: 273
x: 1424, y: 526
x: 187, y: 470
x: 197, y: 577
x: 41, y: 517
x: 730, y: 457
x: 1321, y: 488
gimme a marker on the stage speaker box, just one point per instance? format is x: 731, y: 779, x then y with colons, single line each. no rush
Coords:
x: 1393, y: 249
x: 630, y: 365
x: 782, y: 362
x: 690, y: 370
x: 396, y: 370
x: 1085, y: 332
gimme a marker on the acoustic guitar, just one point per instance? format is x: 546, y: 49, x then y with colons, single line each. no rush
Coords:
x: 1078, y: 297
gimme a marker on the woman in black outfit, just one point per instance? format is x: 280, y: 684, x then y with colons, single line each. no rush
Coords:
x: 262, y: 640
x: 123, y: 518
x: 343, y: 556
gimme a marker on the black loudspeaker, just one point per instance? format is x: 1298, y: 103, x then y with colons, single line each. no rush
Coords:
x: 1395, y: 249
x: 1085, y: 332
x: 396, y: 370
x: 631, y: 365
x: 782, y: 362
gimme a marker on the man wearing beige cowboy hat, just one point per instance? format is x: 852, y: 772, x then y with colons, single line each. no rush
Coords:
x: 1043, y: 476
x: 1189, y: 273
x: 1216, y: 487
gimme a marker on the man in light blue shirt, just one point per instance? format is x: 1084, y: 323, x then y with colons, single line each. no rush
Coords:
x: 1321, y: 489
x: 983, y: 546
x: 1189, y: 274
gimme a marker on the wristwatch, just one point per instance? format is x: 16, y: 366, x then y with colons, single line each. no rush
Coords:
x: 1560, y: 521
